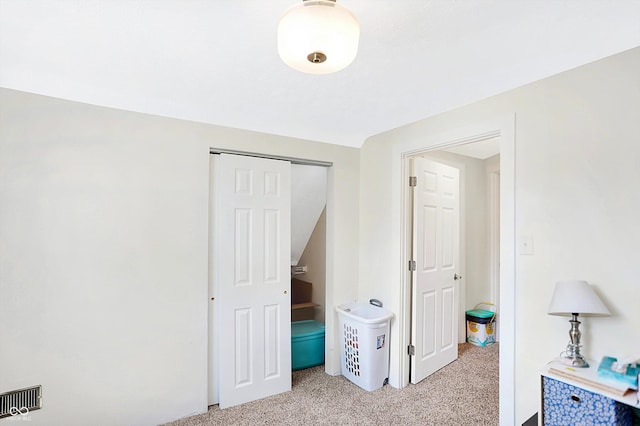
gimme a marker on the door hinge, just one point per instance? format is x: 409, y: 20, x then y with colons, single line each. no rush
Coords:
x: 413, y: 181
x: 411, y: 350
x: 412, y: 265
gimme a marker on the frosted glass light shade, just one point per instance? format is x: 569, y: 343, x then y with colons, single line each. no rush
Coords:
x: 318, y: 37
x: 576, y: 297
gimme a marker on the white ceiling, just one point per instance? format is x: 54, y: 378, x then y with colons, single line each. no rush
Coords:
x: 216, y: 61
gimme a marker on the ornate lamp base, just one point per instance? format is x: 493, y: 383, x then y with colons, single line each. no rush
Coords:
x: 572, y: 355
x: 575, y: 359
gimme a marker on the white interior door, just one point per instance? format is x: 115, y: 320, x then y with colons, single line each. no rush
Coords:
x: 436, y: 250
x: 252, y: 282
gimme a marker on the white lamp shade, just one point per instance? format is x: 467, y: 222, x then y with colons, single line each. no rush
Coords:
x: 576, y: 297
x: 318, y: 26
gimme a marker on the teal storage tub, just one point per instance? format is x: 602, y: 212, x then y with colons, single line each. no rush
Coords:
x: 307, y: 344
x: 480, y: 316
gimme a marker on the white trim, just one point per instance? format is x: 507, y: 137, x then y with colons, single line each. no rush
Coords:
x: 492, y: 173
x: 493, y: 219
x: 213, y: 391
x: 332, y: 342
x: 508, y: 272
x: 503, y: 127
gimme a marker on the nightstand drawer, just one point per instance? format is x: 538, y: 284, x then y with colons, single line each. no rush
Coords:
x: 565, y: 404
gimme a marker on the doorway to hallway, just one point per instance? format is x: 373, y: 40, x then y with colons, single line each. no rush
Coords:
x: 462, y: 261
x: 502, y: 126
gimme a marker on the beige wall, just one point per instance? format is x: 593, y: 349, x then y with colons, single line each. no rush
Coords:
x: 103, y: 255
x: 576, y: 166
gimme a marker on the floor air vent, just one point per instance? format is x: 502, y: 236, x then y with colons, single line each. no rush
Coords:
x: 20, y: 402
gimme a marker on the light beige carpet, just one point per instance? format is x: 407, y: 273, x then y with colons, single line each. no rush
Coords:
x: 463, y: 393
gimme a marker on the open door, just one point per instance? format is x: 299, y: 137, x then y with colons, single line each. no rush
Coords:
x: 436, y: 250
x: 251, y: 244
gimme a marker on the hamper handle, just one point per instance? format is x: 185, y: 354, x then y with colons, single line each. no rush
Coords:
x: 493, y: 307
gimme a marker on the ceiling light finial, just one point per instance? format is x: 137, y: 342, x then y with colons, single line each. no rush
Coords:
x: 318, y: 37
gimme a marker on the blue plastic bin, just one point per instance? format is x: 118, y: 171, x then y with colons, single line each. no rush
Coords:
x: 307, y: 344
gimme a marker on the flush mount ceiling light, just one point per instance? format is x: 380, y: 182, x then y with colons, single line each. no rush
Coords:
x: 318, y: 37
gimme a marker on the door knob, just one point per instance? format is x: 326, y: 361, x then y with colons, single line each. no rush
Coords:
x: 457, y: 277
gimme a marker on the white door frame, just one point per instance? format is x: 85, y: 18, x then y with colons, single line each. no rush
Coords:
x: 504, y: 128
x: 493, y: 191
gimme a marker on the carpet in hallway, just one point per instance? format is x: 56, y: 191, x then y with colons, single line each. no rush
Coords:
x: 463, y: 393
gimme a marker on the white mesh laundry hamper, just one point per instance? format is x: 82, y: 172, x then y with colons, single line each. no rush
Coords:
x: 364, y: 330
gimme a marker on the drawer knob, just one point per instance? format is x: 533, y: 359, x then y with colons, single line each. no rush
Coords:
x: 575, y: 398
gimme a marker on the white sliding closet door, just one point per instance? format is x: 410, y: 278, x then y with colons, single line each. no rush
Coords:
x: 251, y: 277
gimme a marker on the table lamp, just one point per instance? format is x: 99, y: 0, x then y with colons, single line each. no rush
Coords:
x: 573, y: 298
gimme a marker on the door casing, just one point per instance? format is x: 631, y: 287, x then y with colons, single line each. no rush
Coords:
x: 504, y: 128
